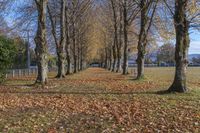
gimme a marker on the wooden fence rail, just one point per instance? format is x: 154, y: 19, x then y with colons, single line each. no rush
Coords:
x: 21, y: 72
x: 15, y: 73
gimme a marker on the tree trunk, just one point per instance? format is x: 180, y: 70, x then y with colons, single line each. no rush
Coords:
x: 110, y: 64
x: 119, y: 46
x: 140, y: 65
x: 60, y: 43
x: 114, y: 57
x: 81, y: 58
x: 61, y: 47
x: 68, y: 55
x: 74, y: 37
x: 75, y: 64
x: 115, y: 35
x: 67, y: 47
x: 142, y: 40
x: 182, y: 45
x: 61, y: 65
x: 68, y: 64
x: 118, y: 63
x: 125, y: 58
x: 41, y: 43
x: 106, y: 59
x: 74, y: 49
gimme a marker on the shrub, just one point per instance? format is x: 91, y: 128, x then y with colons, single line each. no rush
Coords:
x: 7, y: 54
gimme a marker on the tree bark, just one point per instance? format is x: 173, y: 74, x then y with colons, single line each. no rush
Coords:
x: 115, y: 36
x: 125, y: 55
x: 119, y: 46
x: 106, y: 59
x: 61, y: 65
x: 68, y: 62
x: 67, y: 47
x: 41, y: 43
x: 145, y: 25
x: 61, y: 46
x: 74, y: 48
x: 81, y: 58
x: 142, y: 40
x: 60, y: 43
x: 114, y: 57
x: 74, y: 37
x: 110, y: 60
x: 182, y: 45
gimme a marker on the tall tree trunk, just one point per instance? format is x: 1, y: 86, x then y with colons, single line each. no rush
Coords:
x: 106, y: 59
x: 115, y: 35
x: 67, y: 47
x: 75, y: 63
x: 61, y: 65
x: 119, y: 46
x: 74, y: 36
x: 68, y: 54
x: 182, y: 45
x: 110, y: 60
x: 118, y: 62
x: 41, y: 43
x: 78, y: 54
x: 81, y: 58
x: 62, y: 43
x: 68, y: 62
x: 74, y: 49
x: 114, y: 57
x: 142, y: 40
x: 145, y: 25
x: 125, y: 55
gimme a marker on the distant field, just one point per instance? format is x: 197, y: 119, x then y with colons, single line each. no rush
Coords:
x: 97, y: 100
x: 165, y: 75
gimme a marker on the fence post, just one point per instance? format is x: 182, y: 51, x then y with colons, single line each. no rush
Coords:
x: 20, y: 72
x: 28, y: 72
x: 13, y: 73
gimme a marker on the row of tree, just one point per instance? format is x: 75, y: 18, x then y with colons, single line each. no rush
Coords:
x: 144, y: 19
x: 68, y: 21
x: 65, y: 28
x: 69, y: 29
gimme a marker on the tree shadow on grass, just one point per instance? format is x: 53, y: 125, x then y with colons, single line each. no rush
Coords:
x: 163, y: 92
x: 46, y: 92
x: 20, y: 85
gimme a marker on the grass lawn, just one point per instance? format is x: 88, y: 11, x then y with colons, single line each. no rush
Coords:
x: 97, y: 100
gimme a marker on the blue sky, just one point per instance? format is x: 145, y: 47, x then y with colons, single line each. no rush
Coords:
x: 194, y: 35
x: 194, y: 40
x: 195, y: 43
